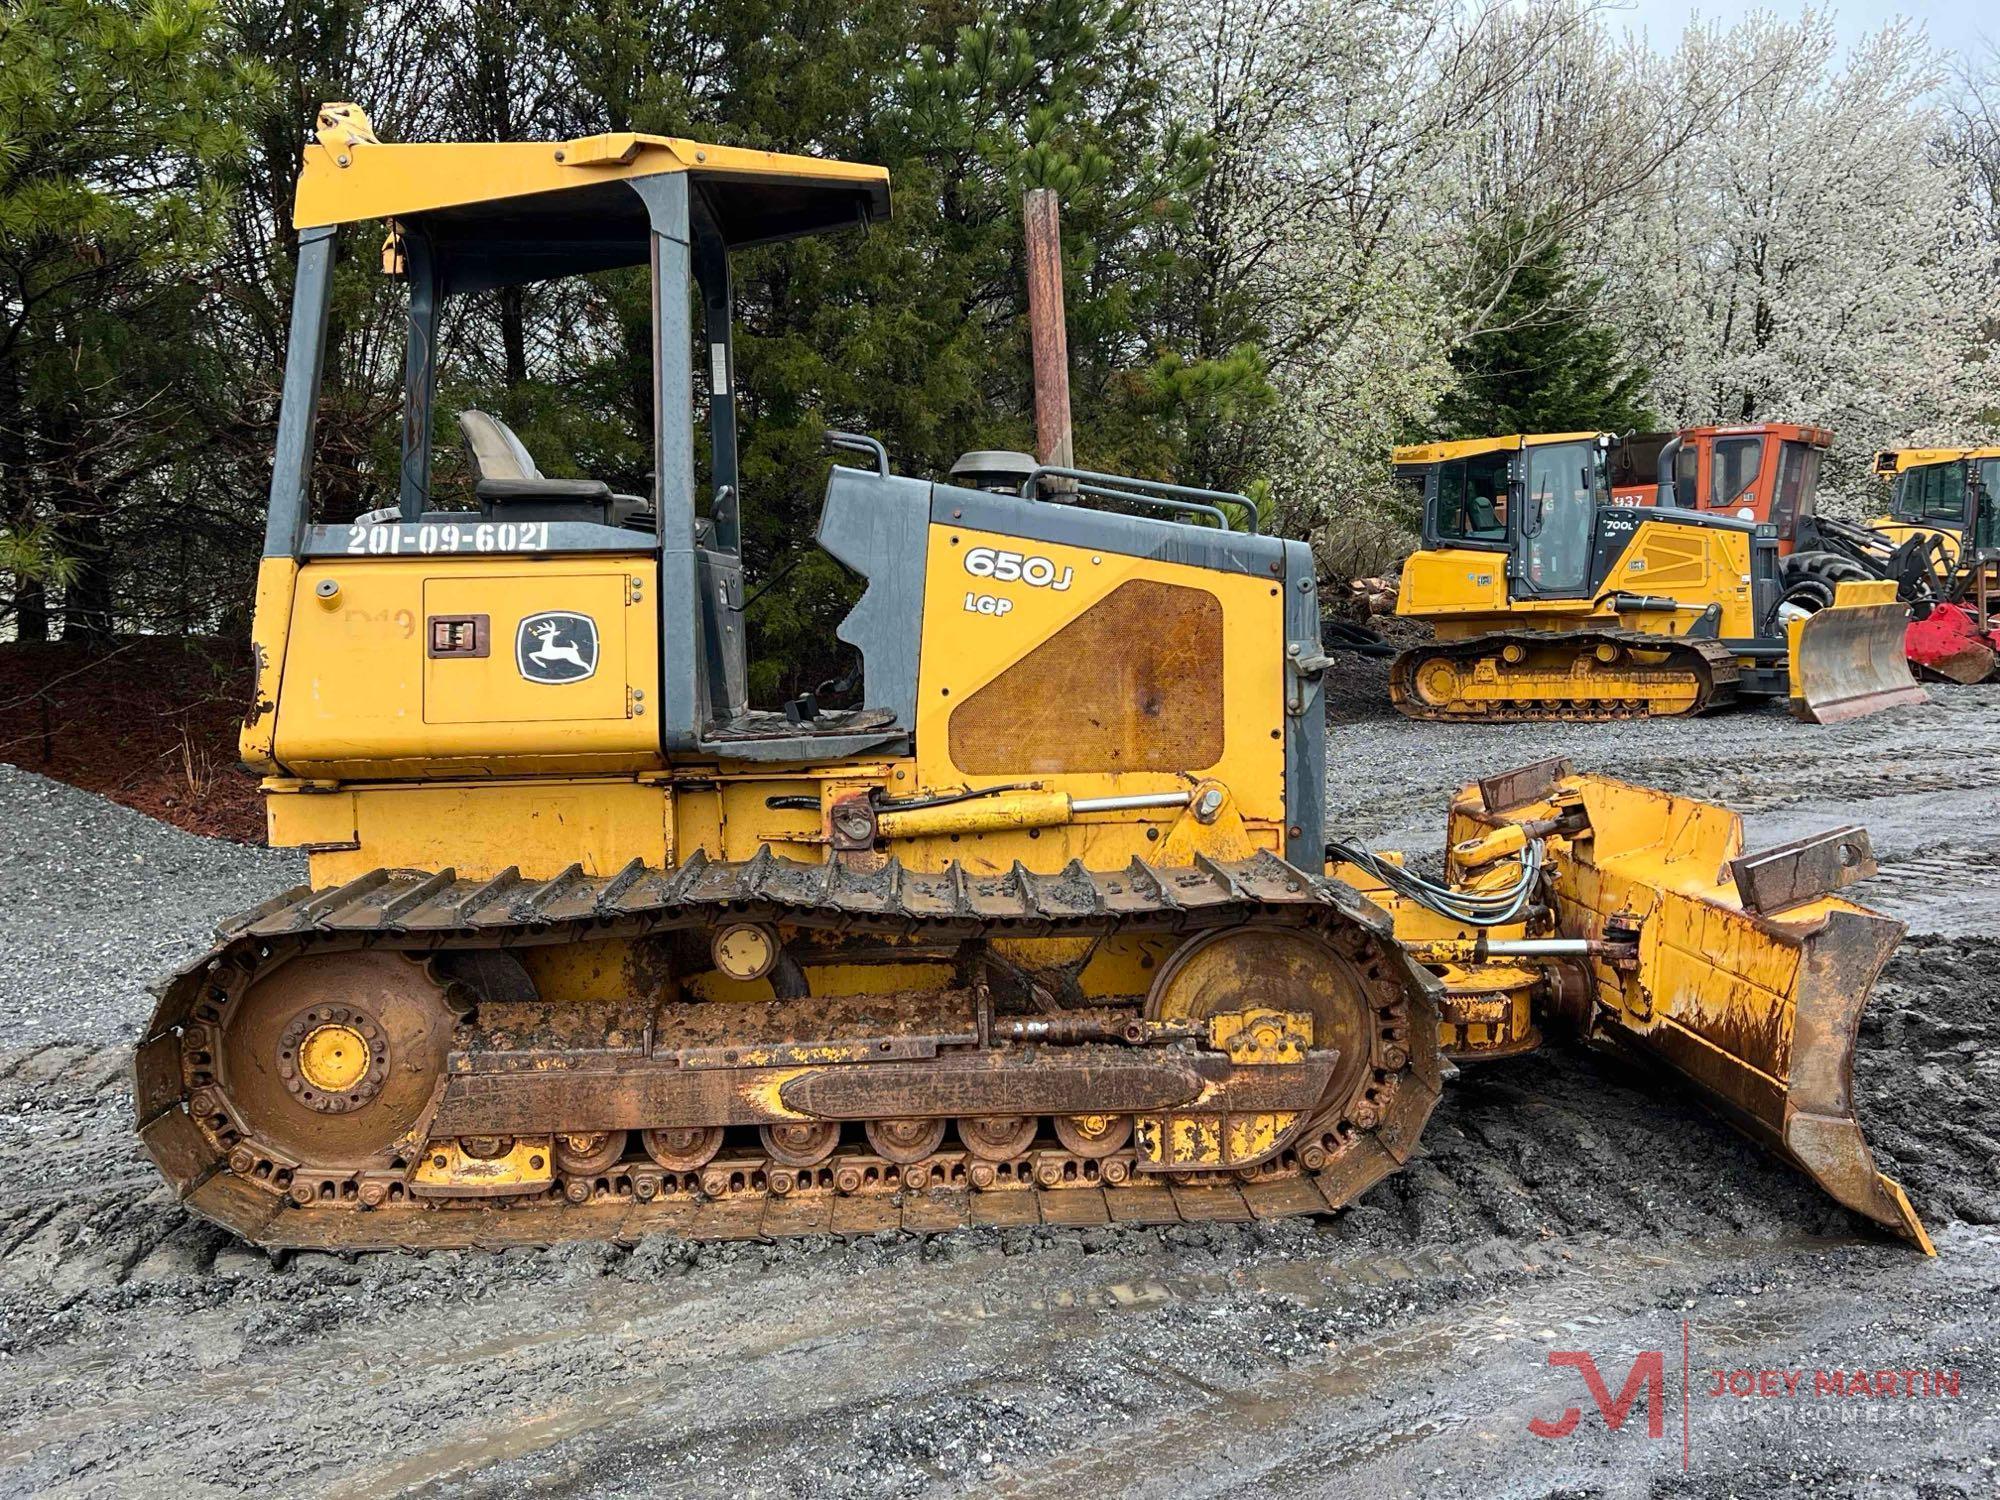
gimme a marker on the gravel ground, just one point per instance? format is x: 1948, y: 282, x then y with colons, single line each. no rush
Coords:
x: 1564, y: 1203
x: 97, y: 900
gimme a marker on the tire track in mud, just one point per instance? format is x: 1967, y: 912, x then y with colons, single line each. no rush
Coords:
x: 1959, y: 869
x: 1390, y: 780
x: 1193, y: 1384
x: 80, y: 1208
x: 58, y: 1076
x: 1054, y: 1369
x: 1819, y: 770
x: 1927, y: 1075
x: 1318, y: 1428
x: 1179, y: 1454
x: 1949, y: 889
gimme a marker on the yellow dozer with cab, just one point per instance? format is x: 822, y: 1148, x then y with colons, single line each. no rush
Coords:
x: 1550, y: 598
x: 1942, y: 535
x: 1045, y: 928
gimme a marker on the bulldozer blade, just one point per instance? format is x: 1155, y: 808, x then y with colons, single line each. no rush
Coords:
x: 1746, y: 977
x: 1848, y: 660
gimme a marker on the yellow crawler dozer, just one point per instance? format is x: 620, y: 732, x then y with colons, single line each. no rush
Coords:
x: 1045, y: 929
x: 1552, y: 600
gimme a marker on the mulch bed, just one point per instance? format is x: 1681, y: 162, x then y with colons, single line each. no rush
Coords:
x: 149, y: 721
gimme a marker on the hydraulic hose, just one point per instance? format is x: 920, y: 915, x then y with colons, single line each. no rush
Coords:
x: 1495, y: 908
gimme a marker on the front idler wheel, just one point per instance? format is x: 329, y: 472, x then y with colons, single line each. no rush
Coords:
x: 330, y: 1059
x: 1285, y: 969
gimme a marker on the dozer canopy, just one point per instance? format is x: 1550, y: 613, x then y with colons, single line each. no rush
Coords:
x: 518, y: 211
x: 468, y: 217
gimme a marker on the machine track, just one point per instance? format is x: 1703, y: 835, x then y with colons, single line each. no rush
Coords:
x: 1518, y: 676
x: 394, y: 937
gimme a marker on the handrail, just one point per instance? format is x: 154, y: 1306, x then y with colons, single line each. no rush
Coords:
x: 860, y: 442
x: 1181, y: 497
x: 1159, y: 502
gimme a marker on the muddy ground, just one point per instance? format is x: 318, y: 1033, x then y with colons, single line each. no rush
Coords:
x: 1402, y: 1347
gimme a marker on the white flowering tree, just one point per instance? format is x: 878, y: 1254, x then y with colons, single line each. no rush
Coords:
x: 1809, y: 257
x: 1359, y: 146
x: 1778, y: 229
x: 1969, y: 147
x: 1331, y: 125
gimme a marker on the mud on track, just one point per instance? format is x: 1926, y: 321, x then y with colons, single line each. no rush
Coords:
x: 1565, y: 1202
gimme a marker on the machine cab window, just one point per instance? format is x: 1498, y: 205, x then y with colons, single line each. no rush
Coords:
x: 1565, y: 484
x: 1472, y: 500
x: 1933, y: 493
x: 658, y: 514
x: 1798, y: 486
x: 1733, y: 472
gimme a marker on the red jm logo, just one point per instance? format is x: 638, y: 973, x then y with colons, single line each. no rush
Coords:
x: 1648, y: 1373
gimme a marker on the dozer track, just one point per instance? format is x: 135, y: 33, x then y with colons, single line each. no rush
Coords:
x: 1525, y: 675
x: 366, y: 1067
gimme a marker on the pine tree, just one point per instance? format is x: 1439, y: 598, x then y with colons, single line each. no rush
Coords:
x: 1542, y: 361
x: 915, y: 332
x: 118, y: 120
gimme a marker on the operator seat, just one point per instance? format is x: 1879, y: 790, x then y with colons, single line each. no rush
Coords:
x: 511, y: 487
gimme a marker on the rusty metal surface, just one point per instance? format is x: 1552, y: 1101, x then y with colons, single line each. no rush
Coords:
x: 252, y: 1071
x: 429, y: 924
x: 899, y: 1023
x: 157, y: 1085
x: 1053, y: 1080
x: 1241, y: 968
x: 1758, y: 1009
x: 1134, y: 683
x: 1523, y: 784
x: 1819, y: 1127
x: 1771, y: 880
x: 1848, y: 662
x: 1797, y: 1099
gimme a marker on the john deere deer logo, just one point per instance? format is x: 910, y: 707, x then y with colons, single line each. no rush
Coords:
x: 556, y: 647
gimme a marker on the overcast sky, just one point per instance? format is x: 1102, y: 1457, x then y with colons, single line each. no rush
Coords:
x: 1954, y: 25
